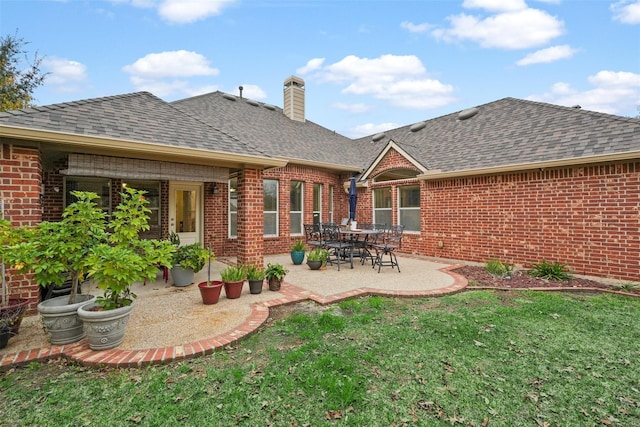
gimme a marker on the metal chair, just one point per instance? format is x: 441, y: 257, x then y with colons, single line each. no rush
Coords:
x: 312, y: 235
x: 334, y: 244
x: 367, y: 250
x: 391, y: 240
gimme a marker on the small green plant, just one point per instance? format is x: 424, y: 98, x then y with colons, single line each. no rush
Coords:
x: 233, y: 273
x: 254, y: 272
x: 318, y: 254
x: 275, y: 271
x: 192, y: 256
x: 499, y: 268
x: 298, y: 246
x: 550, y: 271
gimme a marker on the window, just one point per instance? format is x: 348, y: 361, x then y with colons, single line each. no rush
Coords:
x: 100, y: 186
x: 233, y: 207
x: 317, y: 203
x: 382, y: 206
x: 331, y: 203
x: 295, y: 217
x: 270, y: 207
x: 409, y: 207
x: 152, y: 195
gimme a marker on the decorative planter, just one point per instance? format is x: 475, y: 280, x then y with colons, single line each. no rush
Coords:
x: 255, y: 286
x: 274, y: 284
x: 211, y: 293
x: 12, y: 314
x: 61, y: 320
x: 105, y: 329
x: 314, y: 264
x: 233, y: 290
x: 297, y: 257
x: 182, y: 276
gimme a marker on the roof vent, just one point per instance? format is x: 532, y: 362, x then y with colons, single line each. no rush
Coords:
x: 228, y: 96
x: 252, y: 102
x: 378, y: 136
x: 468, y: 113
x: 269, y: 107
x: 417, y: 126
x: 577, y: 107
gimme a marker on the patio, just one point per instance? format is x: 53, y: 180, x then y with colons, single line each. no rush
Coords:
x: 170, y: 323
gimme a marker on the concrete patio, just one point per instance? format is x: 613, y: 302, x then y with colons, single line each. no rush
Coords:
x: 171, y: 323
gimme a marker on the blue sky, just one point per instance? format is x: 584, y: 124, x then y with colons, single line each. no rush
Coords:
x: 368, y: 65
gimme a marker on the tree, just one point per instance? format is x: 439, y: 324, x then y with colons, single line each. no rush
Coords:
x: 17, y: 85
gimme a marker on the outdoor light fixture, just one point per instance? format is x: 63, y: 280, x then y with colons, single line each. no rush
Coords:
x: 214, y: 189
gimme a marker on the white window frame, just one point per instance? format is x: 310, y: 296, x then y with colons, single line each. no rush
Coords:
x: 276, y: 212
x: 406, y: 209
x: 331, y: 203
x: 233, y: 214
x: 295, y: 227
x: 318, y: 212
x: 376, y: 210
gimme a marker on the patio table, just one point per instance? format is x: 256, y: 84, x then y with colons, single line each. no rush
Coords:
x: 357, y: 239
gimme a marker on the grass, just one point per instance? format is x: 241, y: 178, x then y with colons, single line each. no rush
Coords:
x: 472, y: 359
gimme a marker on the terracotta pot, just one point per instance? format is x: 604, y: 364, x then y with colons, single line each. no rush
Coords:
x: 211, y: 293
x: 233, y: 290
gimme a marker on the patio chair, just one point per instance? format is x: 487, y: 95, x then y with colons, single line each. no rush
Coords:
x: 391, y: 240
x: 367, y: 252
x: 312, y: 235
x: 332, y: 241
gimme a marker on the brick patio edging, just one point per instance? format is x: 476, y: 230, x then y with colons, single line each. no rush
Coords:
x: 114, y: 358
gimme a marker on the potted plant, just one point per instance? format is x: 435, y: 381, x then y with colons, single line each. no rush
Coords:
x: 115, y: 265
x: 210, y: 290
x: 316, y: 258
x: 255, y: 276
x: 186, y: 261
x: 233, y: 280
x: 56, y: 251
x: 274, y: 273
x: 297, y: 252
x: 11, y: 309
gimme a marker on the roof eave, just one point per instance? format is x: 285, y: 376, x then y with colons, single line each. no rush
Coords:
x: 147, y: 150
x: 322, y: 165
x: 602, y: 158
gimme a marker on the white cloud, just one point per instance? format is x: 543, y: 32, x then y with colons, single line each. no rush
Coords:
x: 626, y: 11
x: 550, y: 54
x: 495, y: 5
x: 252, y: 92
x: 415, y: 28
x: 519, y: 29
x: 179, y: 63
x: 181, y: 11
x: 614, y: 92
x: 164, y: 73
x: 402, y: 81
x: 312, y: 65
x: 65, y: 75
x: 370, y: 129
x: 352, y: 108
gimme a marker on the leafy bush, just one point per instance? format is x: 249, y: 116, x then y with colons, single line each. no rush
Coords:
x: 192, y: 256
x: 499, y: 268
x: 551, y: 271
x: 254, y: 272
x: 233, y: 273
x: 318, y: 254
x: 298, y: 246
x: 275, y: 271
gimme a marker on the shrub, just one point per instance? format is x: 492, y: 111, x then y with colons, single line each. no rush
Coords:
x: 254, y: 272
x: 233, y: 274
x: 551, y: 271
x: 499, y: 268
x: 298, y: 246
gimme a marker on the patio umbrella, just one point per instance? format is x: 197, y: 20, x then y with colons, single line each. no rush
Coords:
x: 353, y: 199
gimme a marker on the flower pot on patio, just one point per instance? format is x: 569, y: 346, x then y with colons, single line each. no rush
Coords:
x: 104, y: 328
x: 210, y: 291
x: 275, y: 284
x: 182, y: 276
x: 255, y: 286
x: 233, y: 290
x: 12, y: 314
x: 5, y: 334
x: 314, y: 265
x: 297, y: 257
x: 60, y: 319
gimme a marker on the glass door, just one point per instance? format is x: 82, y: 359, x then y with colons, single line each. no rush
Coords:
x: 185, y: 212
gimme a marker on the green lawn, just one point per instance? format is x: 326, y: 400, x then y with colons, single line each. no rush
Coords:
x: 472, y: 359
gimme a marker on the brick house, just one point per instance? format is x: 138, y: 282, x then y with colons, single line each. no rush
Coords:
x: 518, y: 180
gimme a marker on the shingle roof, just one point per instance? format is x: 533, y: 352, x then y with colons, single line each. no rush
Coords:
x: 267, y: 127
x: 137, y: 116
x: 508, y: 132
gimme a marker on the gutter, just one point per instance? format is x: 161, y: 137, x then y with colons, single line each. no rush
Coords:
x: 102, y: 145
x: 603, y: 158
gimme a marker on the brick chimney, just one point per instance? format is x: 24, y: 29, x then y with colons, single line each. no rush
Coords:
x: 294, y: 98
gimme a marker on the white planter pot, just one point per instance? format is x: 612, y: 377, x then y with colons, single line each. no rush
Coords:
x: 61, y: 320
x: 104, y: 329
x: 182, y: 276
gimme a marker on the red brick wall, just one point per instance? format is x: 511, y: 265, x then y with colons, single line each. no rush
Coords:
x: 585, y: 216
x: 21, y: 181
x: 250, y: 217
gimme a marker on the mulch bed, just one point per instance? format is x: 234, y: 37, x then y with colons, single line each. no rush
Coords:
x: 479, y: 277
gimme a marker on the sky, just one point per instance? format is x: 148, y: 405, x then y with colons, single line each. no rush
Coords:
x: 368, y: 65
